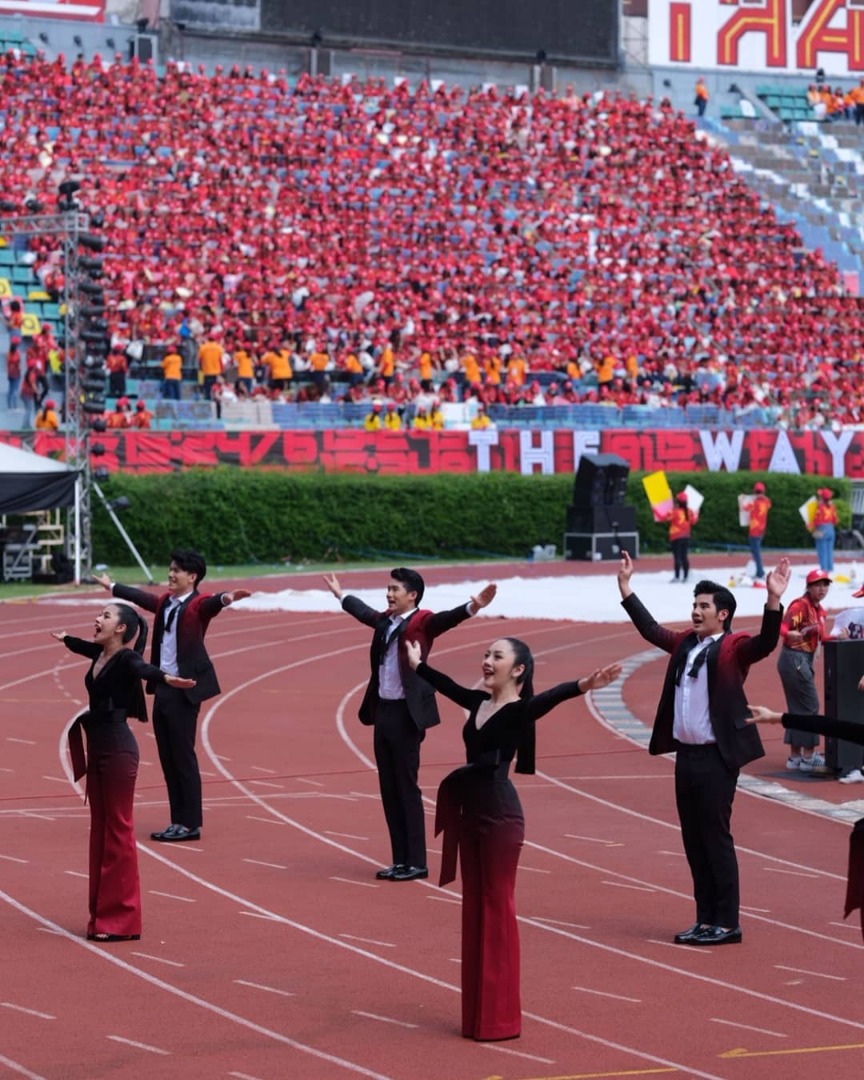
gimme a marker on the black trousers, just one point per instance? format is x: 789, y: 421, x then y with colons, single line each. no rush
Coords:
x: 175, y: 720
x: 397, y: 754
x: 680, y: 558
x: 704, y: 791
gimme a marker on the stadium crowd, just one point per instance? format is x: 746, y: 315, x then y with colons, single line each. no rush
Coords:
x: 363, y: 240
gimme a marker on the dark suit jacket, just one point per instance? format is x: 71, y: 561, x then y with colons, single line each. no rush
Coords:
x: 728, y: 664
x: 192, y: 622
x: 422, y: 627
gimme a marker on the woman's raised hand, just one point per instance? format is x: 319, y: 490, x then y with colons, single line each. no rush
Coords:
x: 601, y: 677
x: 414, y: 654
x: 59, y: 634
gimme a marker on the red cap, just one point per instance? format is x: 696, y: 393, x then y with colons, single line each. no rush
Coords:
x: 141, y: 405
x: 49, y: 404
x: 825, y: 493
x: 759, y: 487
x: 818, y: 575
x: 681, y: 497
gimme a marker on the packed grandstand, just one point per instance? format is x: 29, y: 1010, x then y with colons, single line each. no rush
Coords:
x: 379, y: 242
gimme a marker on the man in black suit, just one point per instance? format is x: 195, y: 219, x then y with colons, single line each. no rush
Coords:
x: 401, y: 706
x: 182, y: 616
x: 703, y: 718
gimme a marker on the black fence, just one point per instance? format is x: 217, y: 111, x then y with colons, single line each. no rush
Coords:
x: 572, y: 31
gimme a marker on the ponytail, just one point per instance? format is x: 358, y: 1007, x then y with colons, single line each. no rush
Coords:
x: 136, y: 627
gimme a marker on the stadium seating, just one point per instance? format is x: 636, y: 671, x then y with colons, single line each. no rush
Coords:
x: 578, y: 232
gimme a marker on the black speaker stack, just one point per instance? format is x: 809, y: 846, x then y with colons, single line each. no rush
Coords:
x: 599, y: 524
x: 844, y: 665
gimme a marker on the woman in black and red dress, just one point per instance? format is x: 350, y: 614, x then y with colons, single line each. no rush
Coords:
x: 481, y: 816
x: 114, y: 688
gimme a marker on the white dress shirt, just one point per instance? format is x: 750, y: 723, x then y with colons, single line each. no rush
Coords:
x: 168, y: 650
x: 692, y: 723
x: 390, y: 686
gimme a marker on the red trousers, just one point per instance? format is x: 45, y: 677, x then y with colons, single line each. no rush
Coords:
x: 490, y: 843
x: 115, y: 889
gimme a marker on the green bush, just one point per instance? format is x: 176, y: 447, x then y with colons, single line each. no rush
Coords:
x: 239, y: 515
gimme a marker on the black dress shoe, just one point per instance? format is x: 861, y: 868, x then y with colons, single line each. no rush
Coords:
x: 176, y: 833
x: 409, y: 873
x: 113, y: 937
x: 686, y: 936
x: 387, y: 873
x: 717, y: 935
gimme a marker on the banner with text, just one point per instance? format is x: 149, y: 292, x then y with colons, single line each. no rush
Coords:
x: 818, y: 453
x: 758, y: 36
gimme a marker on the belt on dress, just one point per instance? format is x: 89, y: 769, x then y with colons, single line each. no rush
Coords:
x: 76, y: 739
x: 448, y: 809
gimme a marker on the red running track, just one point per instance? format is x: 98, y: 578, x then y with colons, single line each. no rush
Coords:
x: 270, y: 952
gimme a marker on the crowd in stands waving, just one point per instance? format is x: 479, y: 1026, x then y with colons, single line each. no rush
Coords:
x: 372, y: 240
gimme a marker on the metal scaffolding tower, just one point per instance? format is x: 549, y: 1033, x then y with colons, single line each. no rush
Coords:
x: 85, y: 342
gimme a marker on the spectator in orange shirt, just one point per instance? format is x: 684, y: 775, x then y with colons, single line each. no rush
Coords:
x: 172, y: 373
x: 681, y: 519
x: 117, y: 370
x: 278, y: 364
x: 120, y: 418
x: 758, y: 506
x: 245, y: 369
x: 319, y: 364
x: 481, y: 418
x: 470, y: 369
x: 209, y: 364
x: 857, y: 95
x: 701, y: 96
x: 46, y: 417
x: 143, y: 418
x: 824, y: 528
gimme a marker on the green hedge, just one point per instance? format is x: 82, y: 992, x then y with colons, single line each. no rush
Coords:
x: 237, y: 515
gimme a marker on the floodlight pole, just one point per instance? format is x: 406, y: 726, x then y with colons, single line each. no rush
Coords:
x: 123, y: 533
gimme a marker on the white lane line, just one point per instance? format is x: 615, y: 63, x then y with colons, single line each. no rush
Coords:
x: 271, y: 865
x: 603, y: 993
x: 267, y: 989
x: 16, y: 1068
x: 173, y: 896
x: 561, y: 922
x: 139, y: 1045
x: 351, y: 881
x: 24, y: 742
x: 791, y: 873
x: 369, y: 941
x: 244, y: 1076
x: 29, y: 1012
x: 75, y: 873
x: 308, y: 780
x: 517, y: 1053
x: 815, y: 974
x: 267, y: 783
x: 260, y: 768
x: 192, y: 999
x: 628, y: 885
x: 594, y: 840
x: 264, y: 820
x: 12, y: 858
x: 749, y: 1027
x: 344, y: 835
x: 159, y: 959
x: 383, y: 1019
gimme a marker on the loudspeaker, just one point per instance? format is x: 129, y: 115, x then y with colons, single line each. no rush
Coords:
x: 601, y: 519
x: 143, y: 46
x: 844, y: 666
x: 601, y: 480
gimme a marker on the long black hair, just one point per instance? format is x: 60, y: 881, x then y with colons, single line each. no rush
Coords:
x: 136, y: 627
x: 525, y: 749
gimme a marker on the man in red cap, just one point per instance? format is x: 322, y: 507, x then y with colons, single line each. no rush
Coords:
x: 801, y: 632
x: 758, y: 506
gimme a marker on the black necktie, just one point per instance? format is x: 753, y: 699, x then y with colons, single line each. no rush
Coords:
x: 699, y: 661
x: 169, y: 622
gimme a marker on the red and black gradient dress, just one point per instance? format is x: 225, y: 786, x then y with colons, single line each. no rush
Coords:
x: 480, y: 815
x: 112, y: 768
x: 849, y: 731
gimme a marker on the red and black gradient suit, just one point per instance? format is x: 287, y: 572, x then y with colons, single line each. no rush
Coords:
x: 175, y: 712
